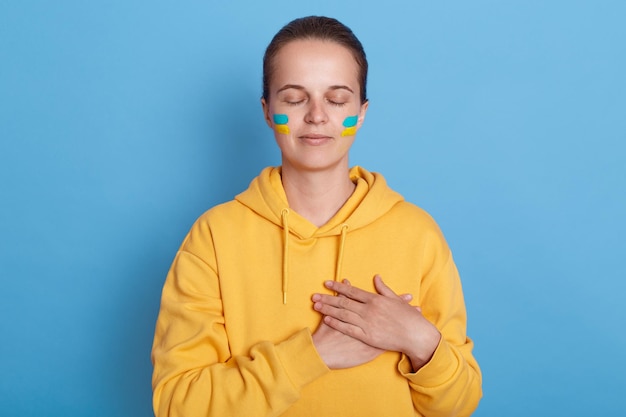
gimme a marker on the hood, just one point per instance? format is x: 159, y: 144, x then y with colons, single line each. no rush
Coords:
x: 371, y: 199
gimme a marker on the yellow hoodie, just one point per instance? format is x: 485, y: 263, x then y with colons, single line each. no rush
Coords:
x: 233, y: 336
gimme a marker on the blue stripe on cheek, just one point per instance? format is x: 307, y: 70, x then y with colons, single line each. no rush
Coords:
x: 281, y: 119
x: 350, y: 121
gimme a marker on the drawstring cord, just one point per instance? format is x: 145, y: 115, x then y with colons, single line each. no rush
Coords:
x: 284, y: 216
x: 344, y: 231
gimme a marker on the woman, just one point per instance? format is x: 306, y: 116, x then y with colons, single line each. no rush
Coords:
x: 275, y: 303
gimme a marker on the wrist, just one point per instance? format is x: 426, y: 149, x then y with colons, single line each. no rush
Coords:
x: 424, y: 349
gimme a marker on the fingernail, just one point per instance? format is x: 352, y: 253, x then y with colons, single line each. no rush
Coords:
x: 328, y: 284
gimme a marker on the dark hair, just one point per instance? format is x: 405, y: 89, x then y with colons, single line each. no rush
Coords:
x: 315, y: 27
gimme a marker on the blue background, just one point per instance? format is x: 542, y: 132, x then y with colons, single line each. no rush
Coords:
x: 122, y: 121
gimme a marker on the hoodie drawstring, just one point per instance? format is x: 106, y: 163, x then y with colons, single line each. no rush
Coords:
x: 344, y: 231
x: 284, y: 214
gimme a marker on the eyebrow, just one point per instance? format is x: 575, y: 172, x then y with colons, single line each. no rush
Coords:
x: 301, y: 88
x: 341, y: 87
x: 290, y: 86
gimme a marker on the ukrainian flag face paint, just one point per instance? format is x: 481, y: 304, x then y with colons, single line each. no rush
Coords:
x: 280, y: 123
x: 350, y: 126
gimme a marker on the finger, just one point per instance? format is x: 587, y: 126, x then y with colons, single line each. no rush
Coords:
x: 383, y: 289
x: 317, y: 297
x: 406, y: 297
x: 345, y: 281
x: 345, y: 328
x: 338, y: 312
x: 349, y: 291
x: 337, y: 301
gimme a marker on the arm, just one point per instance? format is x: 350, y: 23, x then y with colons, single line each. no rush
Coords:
x: 451, y: 382
x: 194, y: 372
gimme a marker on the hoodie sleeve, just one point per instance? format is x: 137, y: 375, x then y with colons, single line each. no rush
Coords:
x: 194, y: 372
x: 450, y: 384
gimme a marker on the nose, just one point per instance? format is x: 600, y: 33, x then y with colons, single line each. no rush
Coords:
x: 316, y: 114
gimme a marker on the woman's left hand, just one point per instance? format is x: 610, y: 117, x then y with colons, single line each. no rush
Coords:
x: 383, y: 320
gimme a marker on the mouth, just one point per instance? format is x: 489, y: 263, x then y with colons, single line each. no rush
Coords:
x: 315, y: 139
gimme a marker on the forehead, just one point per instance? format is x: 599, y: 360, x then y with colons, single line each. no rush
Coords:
x: 314, y: 58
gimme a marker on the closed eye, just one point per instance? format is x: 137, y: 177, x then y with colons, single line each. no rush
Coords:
x: 337, y: 103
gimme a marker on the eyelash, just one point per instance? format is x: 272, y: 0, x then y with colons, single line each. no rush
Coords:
x: 333, y: 103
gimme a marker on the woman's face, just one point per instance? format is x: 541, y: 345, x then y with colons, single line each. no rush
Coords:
x: 314, y: 104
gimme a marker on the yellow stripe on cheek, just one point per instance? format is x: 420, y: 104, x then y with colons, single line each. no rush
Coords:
x: 284, y: 129
x: 349, y: 131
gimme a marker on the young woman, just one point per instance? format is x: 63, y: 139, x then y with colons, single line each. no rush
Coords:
x: 318, y: 291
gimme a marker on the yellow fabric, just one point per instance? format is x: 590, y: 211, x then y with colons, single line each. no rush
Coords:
x: 233, y: 336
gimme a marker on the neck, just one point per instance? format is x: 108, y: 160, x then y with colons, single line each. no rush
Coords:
x: 317, y: 195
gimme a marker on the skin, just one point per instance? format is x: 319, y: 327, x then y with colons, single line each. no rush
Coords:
x: 384, y: 320
x: 315, y: 83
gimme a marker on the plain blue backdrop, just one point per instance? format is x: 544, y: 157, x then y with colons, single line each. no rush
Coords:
x: 122, y: 121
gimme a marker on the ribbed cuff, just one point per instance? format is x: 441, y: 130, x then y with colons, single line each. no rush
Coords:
x: 437, y: 371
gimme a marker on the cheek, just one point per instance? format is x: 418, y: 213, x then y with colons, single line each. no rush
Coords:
x: 280, y: 123
x: 349, y: 125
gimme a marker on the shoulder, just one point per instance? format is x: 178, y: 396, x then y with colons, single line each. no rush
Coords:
x: 416, y: 224
x: 223, y: 215
x: 220, y: 212
x: 219, y: 216
x: 413, y: 214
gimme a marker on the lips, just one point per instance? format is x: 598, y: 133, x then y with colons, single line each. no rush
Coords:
x: 314, y: 136
x: 315, y: 139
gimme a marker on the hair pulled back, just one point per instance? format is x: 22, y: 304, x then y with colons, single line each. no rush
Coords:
x: 321, y: 28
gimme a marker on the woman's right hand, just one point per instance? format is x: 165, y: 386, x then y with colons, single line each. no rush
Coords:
x: 339, y: 351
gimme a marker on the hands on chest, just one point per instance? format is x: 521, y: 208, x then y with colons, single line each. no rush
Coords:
x: 358, y: 325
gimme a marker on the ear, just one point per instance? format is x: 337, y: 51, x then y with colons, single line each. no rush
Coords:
x: 362, y: 113
x: 266, y: 113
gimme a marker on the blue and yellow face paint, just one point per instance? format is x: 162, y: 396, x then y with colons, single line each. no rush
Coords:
x: 280, y: 123
x: 350, y: 126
